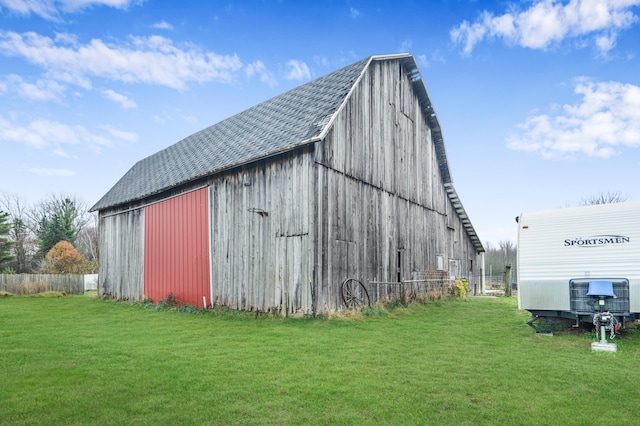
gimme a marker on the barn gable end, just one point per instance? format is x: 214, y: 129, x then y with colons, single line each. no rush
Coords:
x: 382, y: 200
x: 352, y: 182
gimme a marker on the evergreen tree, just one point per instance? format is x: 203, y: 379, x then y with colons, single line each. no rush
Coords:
x: 6, y: 244
x: 58, y: 225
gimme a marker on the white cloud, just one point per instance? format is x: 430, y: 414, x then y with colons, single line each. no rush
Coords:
x: 354, y: 13
x: 150, y: 60
x: 469, y: 35
x: 260, y: 69
x: 163, y: 25
x: 548, y: 22
x: 297, y: 70
x: 605, y: 121
x: 605, y: 43
x: 52, y: 172
x: 51, y: 9
x: 56, y: 137
x: 41, y: 90
x: 45, y: 9
x: 121, y: 99
x: 121, y: 134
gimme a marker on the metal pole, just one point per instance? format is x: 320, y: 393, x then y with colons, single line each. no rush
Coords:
x: 482, y: 274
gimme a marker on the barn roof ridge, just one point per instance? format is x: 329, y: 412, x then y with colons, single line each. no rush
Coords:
x: 285, y: 122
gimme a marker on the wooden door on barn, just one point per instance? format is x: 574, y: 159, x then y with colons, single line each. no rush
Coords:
x: 176, y: 249
x: 293, y: 276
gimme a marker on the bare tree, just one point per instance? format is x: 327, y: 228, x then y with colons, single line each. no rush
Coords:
x: 13, y: 204
x: 22, y: 231
x: 508, y: 249
x: 497, y: 258
x: 87, y: 241
x: 603, y: 198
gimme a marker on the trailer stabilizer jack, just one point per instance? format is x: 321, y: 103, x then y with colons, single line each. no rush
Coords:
x: 542, y: 325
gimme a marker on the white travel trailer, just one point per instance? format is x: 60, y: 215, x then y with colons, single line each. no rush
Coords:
x: 561, y: 252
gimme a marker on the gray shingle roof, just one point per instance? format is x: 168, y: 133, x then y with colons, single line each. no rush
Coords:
x: 274, y: 126
x: 280, y: 124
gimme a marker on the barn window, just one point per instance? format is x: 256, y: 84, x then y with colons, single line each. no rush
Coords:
x: 439, y: 262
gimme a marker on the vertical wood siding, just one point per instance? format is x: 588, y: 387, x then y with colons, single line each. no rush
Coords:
x: 177, y: 249
x: 121, y: 239
x: 260, y: 226
x: 380, y: 196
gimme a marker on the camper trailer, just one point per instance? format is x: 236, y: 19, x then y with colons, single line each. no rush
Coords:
x: 576, y: 262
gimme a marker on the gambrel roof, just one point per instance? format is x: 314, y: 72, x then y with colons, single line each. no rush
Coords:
x: 298, y: 117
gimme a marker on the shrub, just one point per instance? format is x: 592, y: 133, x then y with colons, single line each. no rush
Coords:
x: 172, y: 300
x: 189, y: 309
x: 460, y: 287
x: 63, y: 258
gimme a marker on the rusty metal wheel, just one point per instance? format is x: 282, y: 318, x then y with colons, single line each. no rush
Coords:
x: 354, y: 294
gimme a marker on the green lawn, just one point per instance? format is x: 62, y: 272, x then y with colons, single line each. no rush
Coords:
x: 81, y: 360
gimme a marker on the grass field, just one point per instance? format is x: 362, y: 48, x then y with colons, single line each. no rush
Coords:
x: 81, y: 360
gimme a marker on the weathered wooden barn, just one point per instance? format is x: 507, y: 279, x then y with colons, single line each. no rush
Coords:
x: 275, y: 207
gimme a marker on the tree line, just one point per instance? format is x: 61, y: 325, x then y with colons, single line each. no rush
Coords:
x: 54, y: 235
x: 498, y: 256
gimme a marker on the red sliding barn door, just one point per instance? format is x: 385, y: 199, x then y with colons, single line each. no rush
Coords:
x: 176, y: 249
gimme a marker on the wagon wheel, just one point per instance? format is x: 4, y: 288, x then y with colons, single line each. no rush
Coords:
x: 354, y: 294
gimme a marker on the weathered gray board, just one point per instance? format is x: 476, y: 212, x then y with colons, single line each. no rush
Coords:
x: 122, y: 255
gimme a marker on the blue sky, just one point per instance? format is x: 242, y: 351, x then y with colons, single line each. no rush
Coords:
x: 539, y: 101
